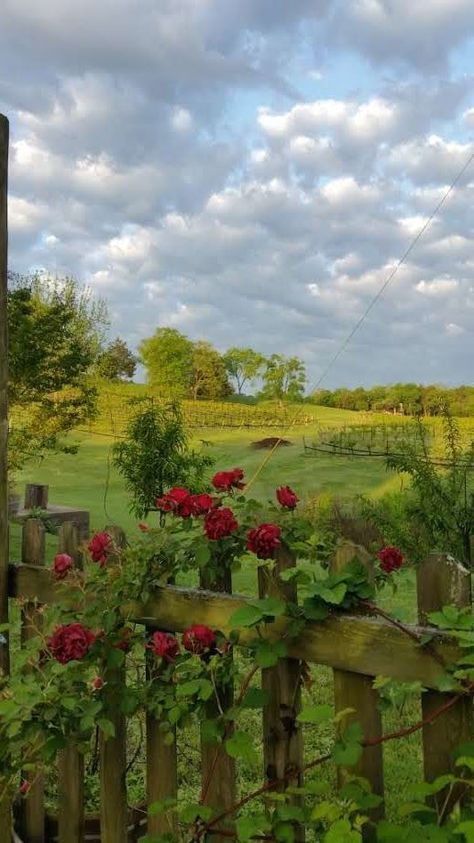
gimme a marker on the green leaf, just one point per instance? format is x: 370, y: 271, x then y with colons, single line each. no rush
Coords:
x: 193, y: 812
x: 247, y: 827
x: 316, y: 714
x: 107, y: 727
x: 241, y: 745
x: 155, y: 809
x: 466, y: 828
x: 314, y: 610
x: 270, y: 607
x: 341, y: 832
x: 268, y: 653
x: 246, y: 616
x: 202, y: 554
x: 256, y: 698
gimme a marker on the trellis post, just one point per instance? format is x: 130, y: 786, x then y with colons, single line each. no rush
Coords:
x: 4, y: 650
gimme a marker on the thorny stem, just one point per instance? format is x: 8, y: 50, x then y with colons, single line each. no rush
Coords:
x: 376, y: 610
x: 367, y: 742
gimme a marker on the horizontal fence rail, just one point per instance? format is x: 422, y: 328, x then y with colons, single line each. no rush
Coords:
x: 358, y: 644
x: 358, y: 647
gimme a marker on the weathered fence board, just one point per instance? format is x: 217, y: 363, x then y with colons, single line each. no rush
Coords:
x: 343, y: 642
x: 441, y: 581
x: 5, y: 818
x: 113, y: 751
x: 283, y: 755
x: 70, y: 760
x: 355, y: 691
x: 217, y: 767
x: 33, y: 553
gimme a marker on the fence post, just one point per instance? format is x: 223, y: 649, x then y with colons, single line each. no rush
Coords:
x: 36, y: 496
x: 441, y: 581
x: 70, y: 760
x: 33, y: 553
x: 217, y: 767
x: 354, y: 690
x: 5, y: 812
x: 113, y: 755
x: 283, y: 755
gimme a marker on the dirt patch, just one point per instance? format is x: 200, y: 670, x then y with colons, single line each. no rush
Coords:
x: 270, y: 442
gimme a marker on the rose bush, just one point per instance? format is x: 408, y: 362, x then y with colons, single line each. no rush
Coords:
x: 90, y: 634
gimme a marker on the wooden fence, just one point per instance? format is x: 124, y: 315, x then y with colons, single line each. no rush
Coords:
x: 356, y: 647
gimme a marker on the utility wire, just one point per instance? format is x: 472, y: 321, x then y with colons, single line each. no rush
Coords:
x: 366, y: 312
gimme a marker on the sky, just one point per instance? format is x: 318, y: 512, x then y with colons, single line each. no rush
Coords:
x: 249, y: 172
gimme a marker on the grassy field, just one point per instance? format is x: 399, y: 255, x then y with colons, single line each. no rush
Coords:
x: 89, y: 480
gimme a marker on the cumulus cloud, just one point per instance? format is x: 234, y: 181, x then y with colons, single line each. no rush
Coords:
x: 171, y: 161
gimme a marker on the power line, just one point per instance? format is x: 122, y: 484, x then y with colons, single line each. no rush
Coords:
x: 368, y: 309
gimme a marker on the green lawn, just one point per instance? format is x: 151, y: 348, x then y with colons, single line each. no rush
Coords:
x: 88, y: 480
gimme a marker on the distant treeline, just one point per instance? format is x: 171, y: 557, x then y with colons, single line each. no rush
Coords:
x: 405, y: 398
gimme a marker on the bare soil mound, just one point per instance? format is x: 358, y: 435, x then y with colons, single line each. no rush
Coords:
x: 270, y: 442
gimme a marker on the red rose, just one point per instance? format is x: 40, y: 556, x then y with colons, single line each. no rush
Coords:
x: 99, y: 546
x: 124, y: 641
x: 174, y: 501
x: 70, y: 642
x: 391, y: 559
x: 264, y: 540
x: 97, y: 683
x: 62, y: 564
x: 225, y: 481
x: 202, y: 504
x: 25, y: 787
x: 198, y: 638
x: 286, y: 497
x: 165, y: 646
x: 220, y: 523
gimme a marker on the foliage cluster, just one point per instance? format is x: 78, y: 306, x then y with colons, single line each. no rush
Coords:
x: 69, y: 681
x: 180, y: 368
x: 406, y: 398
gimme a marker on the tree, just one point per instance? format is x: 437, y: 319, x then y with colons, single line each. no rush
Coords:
x: 56, y: 330
x: 155, y: 455
x: 284, y: 378
x: 168, y: 358
x: 209, y: 375
x: 116, y: 362
x: 243, y: 365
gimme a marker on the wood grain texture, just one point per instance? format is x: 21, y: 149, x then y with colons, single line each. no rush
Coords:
x: 113, y: 750
x: 441, y: 581
x: 33, y: 553
x: 354, y: 690
x: 161, y: 773
x: 70, y: 760
x: 283, y: 752
x: 217, y: 767
x: 5, y: 812
x: 346, y: 642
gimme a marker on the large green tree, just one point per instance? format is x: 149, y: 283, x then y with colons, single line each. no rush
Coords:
x: 243, y: 365
x: 168, y: 358
x: 209, y: 375
x: 56, y: 330
x: 284, y: 378
x: 116, y: 362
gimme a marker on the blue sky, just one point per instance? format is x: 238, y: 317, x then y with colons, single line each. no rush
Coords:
x: 248, y: 172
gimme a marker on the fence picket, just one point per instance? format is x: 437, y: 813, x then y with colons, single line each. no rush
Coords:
x: 218, y: 768
x: 70, y: 760
x: 283, y: 754
x: 161, y: 769
x: 354, y: 690
x: 33, y: 553
x: 161, y: 773
x: 113, y: 751
x: 441, y: 581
